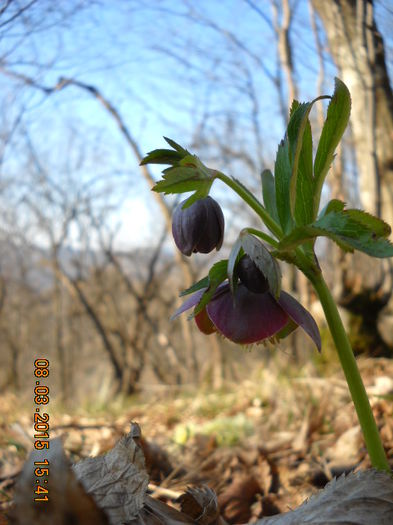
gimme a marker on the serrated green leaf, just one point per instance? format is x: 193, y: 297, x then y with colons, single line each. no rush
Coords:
x: 366, y: 235
x: 303, y: 234
x: 232, y: 261
x: 166, y: 156
x: 162, y: 156
x: 176, y: 146
x: 202, y: 283
x: 295, y: 131
x: 378, y: 227
x: 295, y: 104
x: 305, y: 184
x: 201, y: 193
x: 381, y: 248
x: 191, y: 161
x: 282, y: 179
x: 264, y: 261
x: 342, y: 224
x: 269, y: 194
x: 298, y: 236
x: 333, y: 129
x: 168, y: 187
x: 217, y: 275
x: 180, y: 179
x: 333, y: 205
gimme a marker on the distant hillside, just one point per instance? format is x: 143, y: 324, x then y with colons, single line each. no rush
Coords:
x: 31, y: 263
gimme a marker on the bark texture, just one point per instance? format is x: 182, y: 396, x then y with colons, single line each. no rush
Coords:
x: 358, y: 50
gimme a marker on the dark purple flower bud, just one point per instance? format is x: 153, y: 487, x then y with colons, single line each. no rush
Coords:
x: 198, y: 228
x: 251, y: 276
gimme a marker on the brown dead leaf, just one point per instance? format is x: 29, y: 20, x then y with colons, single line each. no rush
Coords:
x: 236, y: 500
x: 201, y: 505
x: 3, y: 519
x: 117, y: 480
x: 157, y: 460
x: 108, y: 489
x: 68, y: 501
x: 364, y: 498
x: 155, y: 512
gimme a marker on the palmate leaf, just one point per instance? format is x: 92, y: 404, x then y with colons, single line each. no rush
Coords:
x: 166, y: 156
x: 162, y: 156
x: 294, y: 169
x: 350, y: 229
x: 179, y: 180
x: 269, y: 194
x: 333, y: 129
x: 189, y: 174
x: 303, y: 211
x: 332, y: 205
x: 282, y: 179
x: 177, y: 147
x: 300, y: 154
x: 186, y: 172
x: 379, y: 227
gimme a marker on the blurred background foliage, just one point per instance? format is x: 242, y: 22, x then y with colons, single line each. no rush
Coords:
x: 88, y: 271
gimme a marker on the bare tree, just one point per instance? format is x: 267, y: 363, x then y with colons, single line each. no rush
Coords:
x: 358, y: 50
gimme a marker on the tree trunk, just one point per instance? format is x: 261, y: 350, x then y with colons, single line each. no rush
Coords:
x: 358, y: 51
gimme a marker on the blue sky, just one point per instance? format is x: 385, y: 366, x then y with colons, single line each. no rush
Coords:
x: 169, y: 71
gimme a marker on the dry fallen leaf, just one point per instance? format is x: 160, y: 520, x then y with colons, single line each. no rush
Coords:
x: 201, y: 505
x: 111, y: 489
x: 117, y: 480
x: 68, y: 502
x: 236, y: 500
x: 364, y: 498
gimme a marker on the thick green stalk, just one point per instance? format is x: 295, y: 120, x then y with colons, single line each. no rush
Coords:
x: 252, y: 201
x: 352, y: 374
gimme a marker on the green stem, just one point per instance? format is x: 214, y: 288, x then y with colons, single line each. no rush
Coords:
x: 352, y: 374
x: 253, y: 202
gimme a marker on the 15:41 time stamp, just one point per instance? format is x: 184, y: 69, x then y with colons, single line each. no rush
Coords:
x: 41, y: 429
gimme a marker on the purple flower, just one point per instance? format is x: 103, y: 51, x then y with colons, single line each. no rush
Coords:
x: 198, y: 228
x: 251, y: 276
x: 247, y: 317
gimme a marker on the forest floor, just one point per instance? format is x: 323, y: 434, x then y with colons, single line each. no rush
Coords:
x: 264, y: 447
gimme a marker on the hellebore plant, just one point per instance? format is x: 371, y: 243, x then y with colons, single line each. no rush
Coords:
x: 241, y: 297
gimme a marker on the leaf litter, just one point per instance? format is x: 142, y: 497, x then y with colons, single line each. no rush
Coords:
x: 305, y: 435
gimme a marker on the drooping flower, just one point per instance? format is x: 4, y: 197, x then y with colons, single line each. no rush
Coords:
x: 251, y: 276
x: 247, y: 317
x: 198, y: 228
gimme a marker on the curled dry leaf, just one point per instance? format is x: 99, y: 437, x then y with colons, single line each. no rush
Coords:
x: 155, y: 512
x: 201, y: 505
x: 68, y: 501
x: 117, y: 480
x: 236, y: 500
x: 364, y: 498
x: 111, y: 490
